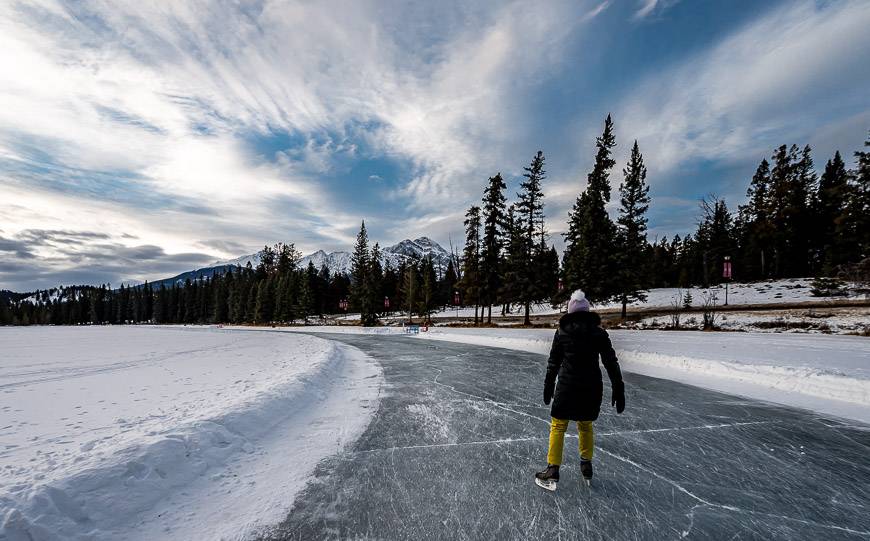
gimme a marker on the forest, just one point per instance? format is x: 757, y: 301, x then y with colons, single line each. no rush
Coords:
x: 794, y: 222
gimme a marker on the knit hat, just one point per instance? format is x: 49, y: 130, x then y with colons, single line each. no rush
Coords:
x: 578, y: 302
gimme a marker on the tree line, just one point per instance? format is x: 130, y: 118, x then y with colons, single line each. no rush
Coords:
x: 276, y: 291
x: 794, y: 223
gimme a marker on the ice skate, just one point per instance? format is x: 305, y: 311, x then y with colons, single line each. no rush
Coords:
x: 548, y: 478
x: 586, y: 471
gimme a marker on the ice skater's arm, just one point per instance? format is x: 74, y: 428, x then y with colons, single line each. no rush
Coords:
x: 611, y: 364
x: 553, y: 364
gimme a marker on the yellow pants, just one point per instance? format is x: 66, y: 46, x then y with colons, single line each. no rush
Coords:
x: 557, y: 440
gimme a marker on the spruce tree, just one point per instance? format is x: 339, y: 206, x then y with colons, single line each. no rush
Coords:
x: 361, y: 287
x: 830, y: 212
x: 409, y: 288
x: 634, y: 202
x: 376, y: 278
x: 493, y: 239
x: 589, y: 262
x: 470, y: 281
x: 757, y: 230
x: 264, y: 307
x: 858, y: 217
x: 530, y: 218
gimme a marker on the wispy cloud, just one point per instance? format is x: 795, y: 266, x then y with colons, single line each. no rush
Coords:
x: 786, y: 75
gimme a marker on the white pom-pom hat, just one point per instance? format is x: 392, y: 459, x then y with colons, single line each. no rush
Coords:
x: 578, y: 302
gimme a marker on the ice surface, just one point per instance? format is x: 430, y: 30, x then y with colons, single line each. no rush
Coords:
x: 453, y: 448
x: 193, y: 433
x: 829, y: 374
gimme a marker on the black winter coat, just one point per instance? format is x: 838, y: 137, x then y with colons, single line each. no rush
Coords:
x: 574, y: 359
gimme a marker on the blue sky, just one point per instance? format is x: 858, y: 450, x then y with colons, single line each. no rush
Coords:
x: 138, y: 139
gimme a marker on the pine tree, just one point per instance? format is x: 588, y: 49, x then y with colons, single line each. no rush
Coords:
x: 470, y: 281
x: 530, y: 220
x: 493, y: 239
x: 376, y: 278
x: 757, y: 230
x: 858, y: 216
x: 428, y: 285
x: 588, y: 261
x: 714, y: 239
x: 409, y: 288
x: 361, y: 286
x: 634, y: 202
x: 830, y: 211
x: 263, y: 310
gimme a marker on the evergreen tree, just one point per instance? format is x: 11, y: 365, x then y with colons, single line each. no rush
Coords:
x: 492, y: 242
x: 409, y: 288
x: 263, y: 310
x: 714, y: 238
x: 830, y: 212
x: 634, y: 202
x: 361, y: 287
x: 470, y: 281
x: 589, y: 262
x: 858, y: 214
x: 376, y: 278
x: 757, y: 230
x: 530, y: 219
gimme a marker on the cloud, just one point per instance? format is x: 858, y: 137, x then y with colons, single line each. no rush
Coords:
x: 42, y: 259
x: 650, y: 7
x: 782, y: 76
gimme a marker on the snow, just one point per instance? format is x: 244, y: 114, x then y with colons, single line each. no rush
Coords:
x: 827, y: 374
x: 792, y: 290
x: 842, y: 320
x: 188, y: 433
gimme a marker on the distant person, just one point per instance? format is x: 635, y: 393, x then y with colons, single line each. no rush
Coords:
x: 577, y: 395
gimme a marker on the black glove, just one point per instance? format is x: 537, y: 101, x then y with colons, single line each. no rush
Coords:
x: 618, y: 398
x: 549, y: 388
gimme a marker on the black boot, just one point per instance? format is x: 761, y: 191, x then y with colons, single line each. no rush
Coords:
x: 548, y: 478
x: 586, y: 470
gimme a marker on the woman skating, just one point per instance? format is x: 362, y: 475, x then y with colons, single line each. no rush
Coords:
x: 578, y: 343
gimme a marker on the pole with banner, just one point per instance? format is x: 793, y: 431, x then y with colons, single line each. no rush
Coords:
x: 386, y: 304
x: 726, y: 273
x: 456, y: 302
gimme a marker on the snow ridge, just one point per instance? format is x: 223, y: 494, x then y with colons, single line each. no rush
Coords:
x: 107, y: 499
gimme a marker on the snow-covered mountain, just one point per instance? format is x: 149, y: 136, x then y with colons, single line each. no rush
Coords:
x: 339, y: 261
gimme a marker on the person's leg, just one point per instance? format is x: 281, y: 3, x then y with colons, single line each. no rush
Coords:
x: 557, y: 440
x: 587, y: 439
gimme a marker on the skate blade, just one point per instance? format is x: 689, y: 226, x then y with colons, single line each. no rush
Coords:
x: 588, y: 482
x: 546, y: 485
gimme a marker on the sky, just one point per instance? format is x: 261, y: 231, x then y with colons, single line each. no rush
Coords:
x: 141, y: 139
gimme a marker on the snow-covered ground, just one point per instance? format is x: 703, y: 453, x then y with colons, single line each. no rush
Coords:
x: 852, y: 320
x: 183, y: 433
x: 792, y: 290
x: 828, y: 374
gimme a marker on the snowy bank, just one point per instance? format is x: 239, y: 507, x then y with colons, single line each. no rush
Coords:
x: 144, y: 433
x: 828, y: 374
